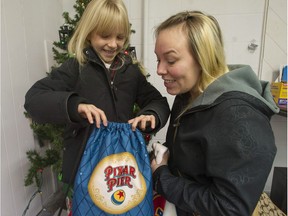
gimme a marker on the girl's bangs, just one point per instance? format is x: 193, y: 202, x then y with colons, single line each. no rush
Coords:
x: 116, y: 23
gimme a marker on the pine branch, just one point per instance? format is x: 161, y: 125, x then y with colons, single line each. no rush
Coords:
x: 59, y: 57
x: 38, y: 164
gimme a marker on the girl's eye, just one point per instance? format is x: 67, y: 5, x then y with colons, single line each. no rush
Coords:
x: 105, y: 36
x: 120, y: 37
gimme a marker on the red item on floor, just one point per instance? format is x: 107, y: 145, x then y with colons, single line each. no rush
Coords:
x: 159, y: 204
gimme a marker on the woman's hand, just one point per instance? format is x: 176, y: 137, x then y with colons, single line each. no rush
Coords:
x: 143, y: 121
x: 91, y: 112
x: 164, y: 161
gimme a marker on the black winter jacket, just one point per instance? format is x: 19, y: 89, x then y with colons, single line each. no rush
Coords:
x: 221, y: 149
x: 55, y: 99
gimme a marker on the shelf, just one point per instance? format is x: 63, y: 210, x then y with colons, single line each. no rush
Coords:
x: 283, y: 113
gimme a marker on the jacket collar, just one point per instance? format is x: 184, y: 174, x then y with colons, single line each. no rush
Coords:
x: 91, y: 55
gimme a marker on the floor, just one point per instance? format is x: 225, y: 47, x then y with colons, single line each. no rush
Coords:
x: 52, y: 206
x: 44, y: 212
x: 63, y: 213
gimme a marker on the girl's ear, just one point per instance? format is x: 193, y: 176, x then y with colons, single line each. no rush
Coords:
x: 89, y: 37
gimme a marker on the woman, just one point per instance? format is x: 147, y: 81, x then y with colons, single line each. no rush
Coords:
x: 221, y: 145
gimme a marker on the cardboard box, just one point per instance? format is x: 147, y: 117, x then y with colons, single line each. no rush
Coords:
x: 279, y: 92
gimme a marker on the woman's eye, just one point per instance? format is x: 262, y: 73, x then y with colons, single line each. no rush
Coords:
x: 171, y: 62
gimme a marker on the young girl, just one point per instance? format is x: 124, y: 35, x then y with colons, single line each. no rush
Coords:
x: 100, y: 84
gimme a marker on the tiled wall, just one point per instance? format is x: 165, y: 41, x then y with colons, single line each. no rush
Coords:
x: 29, y: 28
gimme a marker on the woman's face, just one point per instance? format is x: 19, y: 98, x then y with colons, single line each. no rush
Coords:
x: 176, y: 65
x: 107, y: 46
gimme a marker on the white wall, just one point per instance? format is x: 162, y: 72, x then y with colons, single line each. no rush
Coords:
x: 30, y: 26
x: 275, y: 44
x: 24, y: 28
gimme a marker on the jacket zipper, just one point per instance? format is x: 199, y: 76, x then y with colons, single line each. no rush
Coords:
x: 176, y: 125
x: 111, y: 84
x: 113, y: 88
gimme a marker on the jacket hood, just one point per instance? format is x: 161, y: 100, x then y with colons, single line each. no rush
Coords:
x: 240, y: 78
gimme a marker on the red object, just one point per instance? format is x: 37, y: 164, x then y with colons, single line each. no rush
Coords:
x: 159, y: 204
x: 147, y: 137
x: 40, y: 170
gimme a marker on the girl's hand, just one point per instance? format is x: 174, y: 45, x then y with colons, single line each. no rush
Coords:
x: 143, y: 121
x: 91, y: 112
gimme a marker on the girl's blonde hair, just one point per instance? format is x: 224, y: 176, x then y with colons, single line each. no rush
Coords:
x: 205, y: 42
x: 102, y: 16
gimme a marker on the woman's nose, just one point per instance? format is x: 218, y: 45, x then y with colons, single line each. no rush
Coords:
x: 161, y: 69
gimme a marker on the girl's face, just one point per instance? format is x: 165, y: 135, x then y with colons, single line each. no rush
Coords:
x: 107, y: 46
x: 176, y: 65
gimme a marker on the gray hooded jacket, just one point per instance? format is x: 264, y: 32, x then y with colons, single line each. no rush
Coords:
x: 221, y: 149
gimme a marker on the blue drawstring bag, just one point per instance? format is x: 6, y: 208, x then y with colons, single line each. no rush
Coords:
x: 114, y: 176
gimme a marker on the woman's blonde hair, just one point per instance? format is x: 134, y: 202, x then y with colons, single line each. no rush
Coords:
x: 102, y: 16
x: 205, y: 42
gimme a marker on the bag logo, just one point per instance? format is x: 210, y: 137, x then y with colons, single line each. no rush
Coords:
x: 116, y: 184
x: 118, y: 197
x: 119, y: 176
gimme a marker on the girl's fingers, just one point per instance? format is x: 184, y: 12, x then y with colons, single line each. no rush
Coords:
x: 143, y: 121
x: 92, y: 113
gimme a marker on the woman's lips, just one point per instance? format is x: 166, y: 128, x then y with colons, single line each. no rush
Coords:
x: 168, y: 83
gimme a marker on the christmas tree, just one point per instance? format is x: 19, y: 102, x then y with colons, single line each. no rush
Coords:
x: 66, y: 31
x: 52, y: 133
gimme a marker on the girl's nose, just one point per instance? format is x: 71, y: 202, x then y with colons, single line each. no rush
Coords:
x: 112, y: 42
